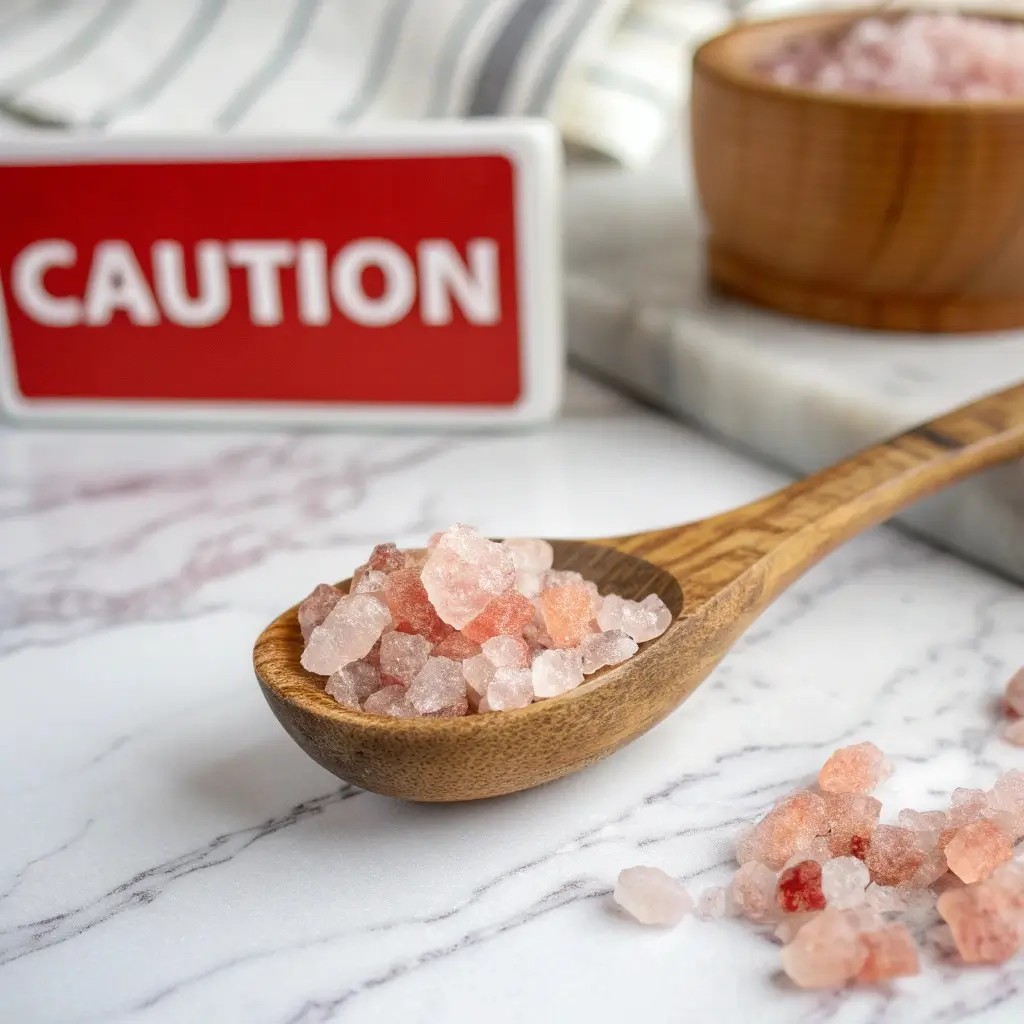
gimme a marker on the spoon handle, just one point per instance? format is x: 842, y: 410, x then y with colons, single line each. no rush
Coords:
x: 787, y: 532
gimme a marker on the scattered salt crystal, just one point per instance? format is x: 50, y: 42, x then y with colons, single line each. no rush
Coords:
x: 713, y: 903
x: 856, y: 769
x: 1014, y: 733
x: 402, y: 655
x: 1006, y: 799
x: 315, y: 608
x: 891, y: 953
x: 353, y: 683
x: 353, y: 626
x: 510, y: 688
x: 439, y: 685
x: 753, y: 893
x: 392, y: 701
x: 985, y: 923
x: 507, y: 652
x: 976, y: 850
x: 799, y: 888
x: 651, y: 896
x: 824, y: 953
x: 609, y: 648
x: 642, y: 620
x: 927, y: 826
x: 884, y: 899
x: 792, y: 825
x: 787, y: 929
x: 893, y: 856
x: 844, y: 881
x: 556, y: 672
x: 1015, y: 692
x: 851, y: 819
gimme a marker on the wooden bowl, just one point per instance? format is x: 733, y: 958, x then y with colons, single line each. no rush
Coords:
x: 857, y: 209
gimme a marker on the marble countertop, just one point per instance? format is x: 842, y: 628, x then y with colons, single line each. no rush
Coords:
x: 169, y: 854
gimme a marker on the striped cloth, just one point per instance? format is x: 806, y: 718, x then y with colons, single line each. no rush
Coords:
x: 609, y: 72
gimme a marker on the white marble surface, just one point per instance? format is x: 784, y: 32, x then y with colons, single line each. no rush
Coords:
x: 168, y: 854
x: 798, y: 393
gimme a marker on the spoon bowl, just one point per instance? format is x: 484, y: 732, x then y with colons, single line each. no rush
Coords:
x: 716, y: 576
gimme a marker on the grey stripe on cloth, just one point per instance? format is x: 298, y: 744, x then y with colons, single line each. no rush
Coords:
x: 497, y: 67
x: 77, y: 48
x: 195, y: 32
x: 276, y: 64
x: 621, y: 81
x: 469, y: 17
x: 380, y: 61
x: 554, y: 65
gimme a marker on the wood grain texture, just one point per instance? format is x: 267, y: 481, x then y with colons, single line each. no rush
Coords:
x: 716, y: 576
x: 862, y: 210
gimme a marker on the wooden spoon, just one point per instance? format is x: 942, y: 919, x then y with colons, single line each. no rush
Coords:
x: 716, y: 576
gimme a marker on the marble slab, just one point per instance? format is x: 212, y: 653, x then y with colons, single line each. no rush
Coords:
x: 800, y: 395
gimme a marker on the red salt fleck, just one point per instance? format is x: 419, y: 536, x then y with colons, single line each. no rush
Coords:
x: 507, y: 614
x: 859, y: 846
x: 411, y: 608
x: 567, y: 613
x: 856, y: 769
x: 893, y: 857
x: 891, y: 953
x: 799, y: 888
x: 851, y: 818
x: 387, y: 558
x: 456, y: 646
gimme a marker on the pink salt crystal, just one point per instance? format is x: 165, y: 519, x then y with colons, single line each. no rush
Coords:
x: 884, y: 899
x: 856, y: 769
x: 411, y: 608
x: 434, y: 539
x: 844, y: 881
x: 567, y: 613
x: 353, y: 683
x: 927, y: 826
x: 967, y: 805
x: 976, y: 850
x: 891, y: 953
x: 986, y: 926
x: 1006, y: 799
x: 713, y: 903
x: 642, y: 620
x: 532, y: 558
x: 353, y: 626
x: 651, y: 896
x: 456, y: 646
x: 454, y: 710
x: 464, y: 573
x: 315, y: 608
x: 940, y: 937
x: 391, y: 701
x: 792, y: 825
x: 893, y: 856
x: 507, y: 652
x: 933, y: 867
x: 370, y: 582
x: 386, y: 558
x: 402, y: 655
x: 799, y: 888
x: 438, y: 686
x: 610, y: 648
x: 753, y: 891
x: 826, y: 952
x: 851, y: 820
x: 536, y: 636
x: 560, y: 578
x: 505, y: 615
x: 864, y: 919
x: 415, y: 558
x: 510, y: 688
x: 1010, y: 878
x: 787, y: 930
x: 1014, y: 733
x: 556, y: 672
x: 478, y: 673
x: 1015, y: 693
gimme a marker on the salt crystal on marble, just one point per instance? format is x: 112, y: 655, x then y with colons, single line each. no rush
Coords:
x: 891, y: 953
x: 986, y: 926
x: 506, y: 615
x: 478, y: 673
x: 856, y: 769
x: 817, y: 850
x: 315, y: 608
x: 411, y: 608
x: 403, y: 655
x: 851, y: 819
x: 884, y: 899
x: 713, y: 903
x: 510, y: 688
x: 864, y: 918
x: 642, y: 620
x: 824, y: 953
x: 507, y: 652
x: 1010, y: 878
x: 787, y: 929
x: 353, y: 626
x: 753, y: 892
x: 927, y: 826
x: 799, y: 888
x: 844, y: 882
x: 792, y: 825
x: 893, y: 856
x: 391, y: 701
x: 556, y: 672
x: 1015, y: 692
x: 370, y: 582
x: 1014, y: 733
x: 456, y: 646
x: 532, y: 557
x: 386, y: 558
x: 353, y: 683
x: 567, y: 613
x: 976, y: 850
x: 464, y: 573
x: 1006, y: 799
x: 438, y: 686
x: 651, y: 896
x: 609, y: 648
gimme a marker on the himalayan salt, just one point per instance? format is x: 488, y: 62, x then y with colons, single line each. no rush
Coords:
x: 891, y: 953
x: 967, y: 805
x: 844, y: 882
x: 927, y: 826
x: 930, y: 57
x: 856, y: 769
x: 439, y: 685
x: 851, y: 819
x: 864, y: 919
x: 532, y: 558
x: 456, y: 646
x: 353, y: 626
x: 610, y: 648
x: 567, y: 614
x: 1006, y: 799
x: 1010, y: 878
x: 651, y: 896
x: 712, y: 903
x: 315, y: 608
x: 371, y: 582
x: 792, y: 825
x: 933, y: 867
x: 986, y: 926
x: 510, y: 688
x: 787, y: 929
x: 884, y: 899
x: 1014, y: 733
x: 641, y: 620
x: 1015, y: 693
x: 506, y: 615
x: 386, y: 558
x: 411, y: 608
x: 826, y: 952
x: 478, y: 673
x: 402, y: 655
x: 893, y: 856
x: 353, y: 683
x: 817, y: 850
x: 507, y: 652
x: 799, y: 888
x: 976, y: 850
x: 753, y: 893
x: 464, y: 573
x: 556, y: 672
x: 391, y: 701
